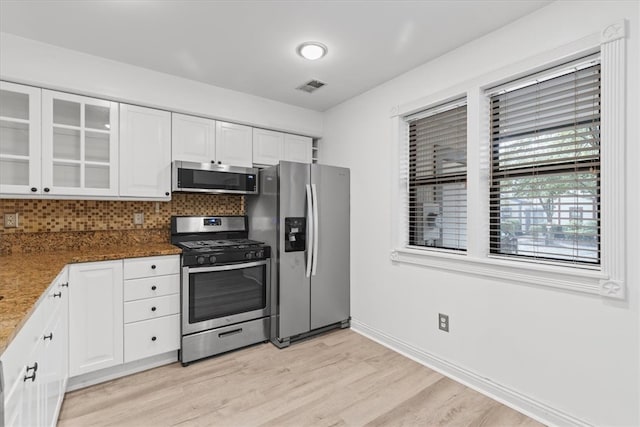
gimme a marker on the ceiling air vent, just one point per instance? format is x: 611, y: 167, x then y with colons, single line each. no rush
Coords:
x: 311, y: 86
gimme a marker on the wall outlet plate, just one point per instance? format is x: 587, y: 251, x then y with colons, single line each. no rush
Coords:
x: 11, y: 220
x: 443, y: 322
x: 138, y: 218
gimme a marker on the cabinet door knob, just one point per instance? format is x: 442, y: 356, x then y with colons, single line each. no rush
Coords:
x: 64, y: 285
x: 34, y: 189
x: 153, y: 288
x: 48, y: 337
x: 33, y: 368
x: 153, y: 309
x: 153, y: 338
x: 167, y: 193
x: 46, y: 189
x: 153, y: 266
x: 57, y: 295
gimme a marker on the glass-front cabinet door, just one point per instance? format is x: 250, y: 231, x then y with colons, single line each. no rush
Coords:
x: 19, y: 139
x: 79, y: 145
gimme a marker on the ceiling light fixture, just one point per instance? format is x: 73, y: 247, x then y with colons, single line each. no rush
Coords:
x: 312, y: 50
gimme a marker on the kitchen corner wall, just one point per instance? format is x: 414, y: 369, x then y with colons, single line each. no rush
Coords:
x: 67, y: 224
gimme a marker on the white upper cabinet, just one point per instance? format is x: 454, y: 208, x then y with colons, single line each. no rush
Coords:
x: 234, y: 144
x: 79, y: 145
x: 267, y: 147
x: 145, y: 152
x: 19, y: 139
x: 297, y: 148
x: 193, y: 139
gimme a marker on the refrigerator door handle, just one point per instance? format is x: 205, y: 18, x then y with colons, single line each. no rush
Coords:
x: 314, y: 192
x: 310, y: 240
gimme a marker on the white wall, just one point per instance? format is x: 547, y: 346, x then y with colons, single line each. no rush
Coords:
x: 573, y: 353
x: 31, y: 62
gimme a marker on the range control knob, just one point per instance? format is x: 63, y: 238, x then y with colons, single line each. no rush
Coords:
x: 200, y: 260
x: 212, y: 259
x: 248, y: 255
x: 260, y: 254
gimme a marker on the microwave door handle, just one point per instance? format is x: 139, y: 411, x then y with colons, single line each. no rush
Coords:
x: 314, y: 192
x: 310, y: 222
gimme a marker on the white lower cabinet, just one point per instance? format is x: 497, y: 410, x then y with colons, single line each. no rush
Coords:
x: 152, y: 306
x: 35, y: 363
x: 95, y: 316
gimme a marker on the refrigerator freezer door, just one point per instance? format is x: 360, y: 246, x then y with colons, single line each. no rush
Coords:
x: 293, y: 290
x: 330, y: 291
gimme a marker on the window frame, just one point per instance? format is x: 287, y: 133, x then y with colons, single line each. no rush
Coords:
x: 549, y: 167
x: 435, y: 179
x: 606, y: 279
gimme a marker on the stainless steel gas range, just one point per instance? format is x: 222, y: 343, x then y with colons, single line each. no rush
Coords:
x: 225, y: 285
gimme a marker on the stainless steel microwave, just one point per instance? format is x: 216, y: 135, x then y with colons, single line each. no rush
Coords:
x: 213, y: 178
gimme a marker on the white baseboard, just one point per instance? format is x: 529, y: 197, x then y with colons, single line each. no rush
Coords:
x: 511, y: 398
x: 114, y: 372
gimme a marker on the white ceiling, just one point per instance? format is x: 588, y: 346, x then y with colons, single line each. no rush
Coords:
x: 249, y: 46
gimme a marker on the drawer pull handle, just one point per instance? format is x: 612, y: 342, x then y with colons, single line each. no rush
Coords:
x: 153, y: 338
x: 153, y: 309
x: 153, y: 288
x: 64, y: 285
x: 33, y: 368
x: 226, y: 334
x: 57, y: 295
x: 31, y: 377
x: 153, y: 266
x: 48, y: 337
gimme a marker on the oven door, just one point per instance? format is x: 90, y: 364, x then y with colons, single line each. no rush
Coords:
x: 224, y: 295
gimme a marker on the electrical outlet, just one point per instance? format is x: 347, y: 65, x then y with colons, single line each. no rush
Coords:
x: 11, y: 220
x: 138, y: 218
x: 443, y: 322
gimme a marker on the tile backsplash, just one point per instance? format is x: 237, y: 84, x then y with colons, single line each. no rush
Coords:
x: 110, y: 220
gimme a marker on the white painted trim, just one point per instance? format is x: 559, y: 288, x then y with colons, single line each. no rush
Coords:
x: 613, y: 159
x: 108, y: 374
x: 501, y: 393
x: 527, y: 272
x: 606, y: 280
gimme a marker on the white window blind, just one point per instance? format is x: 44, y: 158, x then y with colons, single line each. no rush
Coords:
x: 437, y: 177
x: 545, y: 168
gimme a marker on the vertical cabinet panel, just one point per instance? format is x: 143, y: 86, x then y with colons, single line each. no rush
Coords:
x: 193, y: 139
x: 267, y: 147
x: 95, y: 316
x: 79, y: 145
x: 297, y: 148
x: 145, y: 153
x: 20, y: 142
x: 234, y: 144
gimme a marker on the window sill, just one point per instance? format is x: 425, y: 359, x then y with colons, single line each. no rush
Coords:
x: 581, y: 280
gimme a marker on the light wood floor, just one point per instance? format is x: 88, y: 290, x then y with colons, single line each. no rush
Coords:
x: 338, y: 379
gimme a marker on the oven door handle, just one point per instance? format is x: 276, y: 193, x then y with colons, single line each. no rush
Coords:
x: 310, y: 234
x: 226, y: 267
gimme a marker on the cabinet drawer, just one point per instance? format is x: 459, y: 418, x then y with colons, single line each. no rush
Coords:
x: 151, y: 308
x: 139, y: 337
x: 151, y: 266
x: 151, y: 287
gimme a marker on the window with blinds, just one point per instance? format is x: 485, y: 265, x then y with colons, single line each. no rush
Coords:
x: 545, y: 170
x: 437, y: 177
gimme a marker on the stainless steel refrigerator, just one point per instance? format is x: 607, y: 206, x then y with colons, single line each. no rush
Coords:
x: 302, y: 212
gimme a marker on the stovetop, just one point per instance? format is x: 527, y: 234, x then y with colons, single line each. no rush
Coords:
x: 203, y: 245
